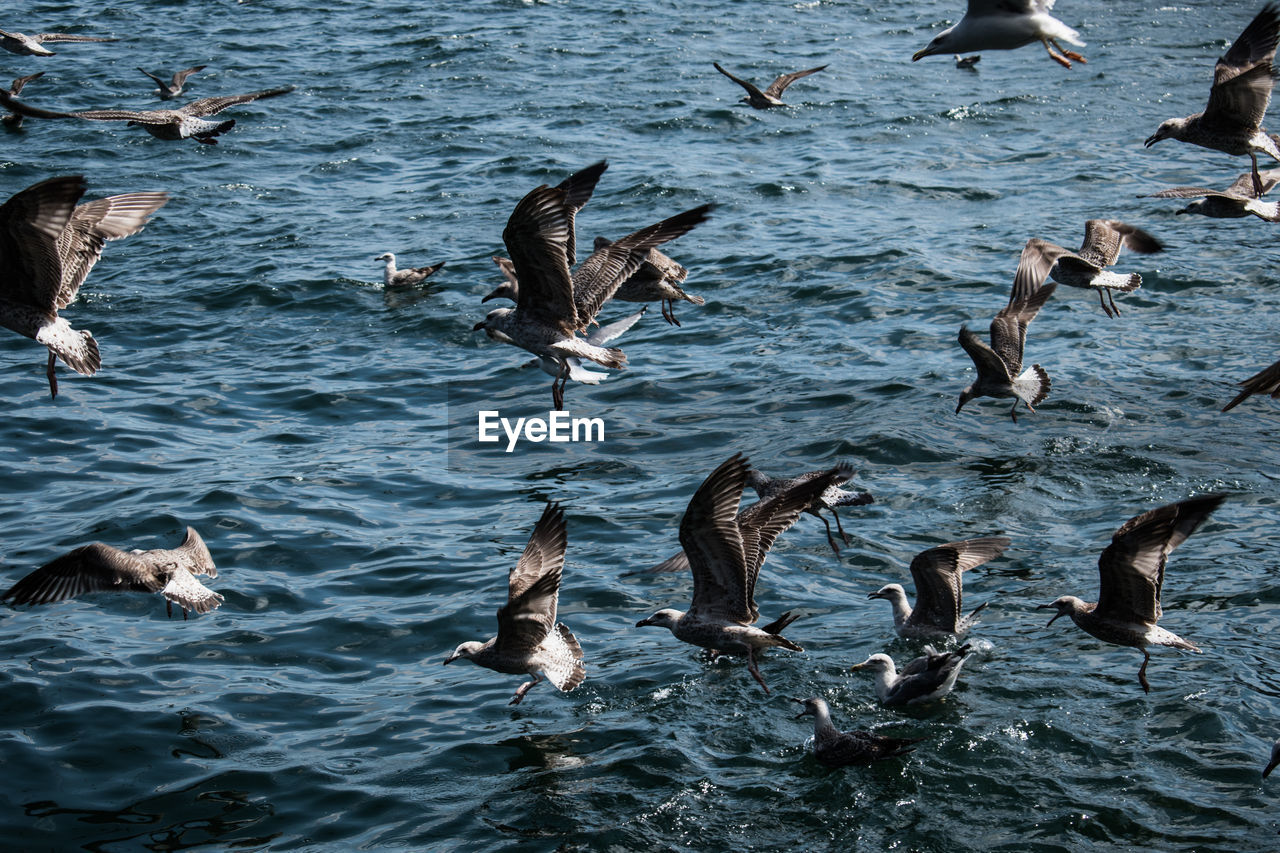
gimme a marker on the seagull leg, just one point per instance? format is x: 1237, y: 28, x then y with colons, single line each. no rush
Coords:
x: 1142, y: 673
x: 1069, y: 54
x: 557, y: 386
x: 1103, y: 303
x: 1056, y: 57
x: 839, y: 526
x: 524, y: 688
x: 1114, y: 308
x: 53, y: 379
x: 168, y: 608
x: 1257, y: 179
x: 831, y: 540
x: 755, y: 670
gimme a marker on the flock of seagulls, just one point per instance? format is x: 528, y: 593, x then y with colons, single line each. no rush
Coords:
x: 49, y: 243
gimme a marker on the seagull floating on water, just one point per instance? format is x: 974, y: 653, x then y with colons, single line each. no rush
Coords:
x: 1266, y: 381
x: 48, y: 245
x: 14, y: 120
x: 833, y: 496
x: 998, y: 365
x: 835, y: 748
x: 1086, y: 268
x: 33, y: 45
x: 172, y: 88
x: 1006, y: 25
x: 1238, y: 100
x: 529, y: 640
x: 1131, y: 571
x: 725, y: 550
x: 184, y: 122
x: 930, y: 676
x: 772, y: 96
x: 102, y: 568
x: 938, y: 575
x: 1235, y: 202
x: 392, y: 277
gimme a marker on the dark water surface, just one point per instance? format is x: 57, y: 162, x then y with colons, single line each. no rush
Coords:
x: 259, y: 385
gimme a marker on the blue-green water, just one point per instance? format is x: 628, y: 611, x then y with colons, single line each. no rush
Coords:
x: 259, y: 385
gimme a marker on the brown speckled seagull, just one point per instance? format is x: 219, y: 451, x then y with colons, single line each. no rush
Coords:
x: 34, y: 45
x: 48, y: 245
x: 1238, y: 100
x: 835, y: 748
x: 102, y: 568
x: 1086, y: 268
x: 530, y: 641
x: 187, y: 121
x: 172, y: 88
x: 1131, y: 571
x: 924, y: 679
x: 1235, y: 202
x: 772, y: 96
x: 833, y: 496
x: 392, y: 277
x: 938, y: 574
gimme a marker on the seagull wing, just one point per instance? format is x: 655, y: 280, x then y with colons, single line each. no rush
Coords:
x: 1028, y: 295
x: 608, y: 332
x: 1266, y: 381
x: 1242, y: 77
x: 938, y: 573
x: 162, y: 84
x: 31, y: 226
x: 180, y: 77
x: 534, y: 586
x: 19, y: 83
x: 984, y: 358
x: 536, y: 236
x: 92, y: 224
x: 218, y: 103
x: 192, y: 556
x: 68, y: 37
x: 1131, y: 569
x: 578, y: 188
x: 778, y: 86
x: 89, y: 568
x: 713, y: 544
x: 750, y: 87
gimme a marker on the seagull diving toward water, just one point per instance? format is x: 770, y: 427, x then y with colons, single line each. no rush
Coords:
x: 725, y: 550
x: 930, y: 676
x: 1238, y: 99
x: 529, y: 640
x: 553, y: 305
x: 1006, y: 25
x: 392, y: 277
x: 186, y: 121
x: 1266, y: 381
x: 102, y: 568
x: 1086, y: 268
x: 938, y: 574
x: 835, y: 748
x: 1235, y: 202
x: 998, y: 365
x: 1131, y: 571
x: 833, y: 496
x: 33, y: 45
x: 13, y: 120
x: 772, y: 96
x: 48, y: 245
x: 172, y: 88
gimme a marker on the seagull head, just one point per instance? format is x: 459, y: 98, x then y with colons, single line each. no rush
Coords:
x: 386, y: 256
x: 941, y: 44
x: 812, y: 707
x: 875, y: 663
x: 503, y: 291
x: 889, y: 592
x: 466, y: 650
x: 1169, y: 129
x: 965, y: 396
x: 663, y: 619
x: 493, y: 324
x: 1066, y: 606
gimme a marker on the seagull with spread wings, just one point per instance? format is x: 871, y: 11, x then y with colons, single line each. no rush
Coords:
x: 1238, y: 100
x: 1086, y: 268
x: 48, y: 245
x: 172, y: 88
x: 1235, y: 202
x: 830, y: 498
x: 530, y: 641
x: 1006, y: 25
x: 938, y: 575
x: 1131, y: 574
x: 34, y: 45
x: 772, y: 96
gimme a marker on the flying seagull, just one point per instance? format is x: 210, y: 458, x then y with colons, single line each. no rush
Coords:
x: 926, y: 678
x: 725, y: 552
x: 392, y: 277
x: 772, y: 96
x: 1235, y: 202
x: 938, y: 576
x: 181, y: 123
x: 1086, y: 268
x: 830, y: 498
x: 529, y: 640
x: 1266, y: 381
x: 48, y: 245
x: 998, y: 365
x: 13, y: 120
x: 33, y: 45
x: 1238, y: 99
x: 102, y: 568
x: 835, y: 748
x: 172, y: 88
x: 1006, y: 25
x: 1131, y: 571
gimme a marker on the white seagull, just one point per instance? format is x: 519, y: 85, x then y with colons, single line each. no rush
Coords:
x: 1006, y: 25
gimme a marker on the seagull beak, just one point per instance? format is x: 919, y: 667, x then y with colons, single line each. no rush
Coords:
x: 478, y: 326
x: 493, y: 295
x: 645, y: 621
x: 450, y: 659
x: 872, y: 595
x: 1152, y: 140
x: 1055, y: 616
x: 920, y: 54
x: 858, y: 666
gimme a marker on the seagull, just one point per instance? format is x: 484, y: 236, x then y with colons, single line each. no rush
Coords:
x: 998, y: 365
x: 1006, y: 25
x: 835, y: 748
x: 33, y: 45
x: 1131, y: 570
x: 772, y: 96
x: 968, y: 63
x: 725, y: 552
x: 102, y: 568
x: 1267, y: 381
x: 938, y: 575
x: 833, y: 496
x: 13, y: 120
x: 48, y: 245
x: 553, y: 304
x: 599, y: 337
x: 529, y: 640
x: 1274, y: 762
x: 1238, y: 99
x: 1103, y: 240
x: 186, y: 121
x: 930, y: 676
x: 172, y: 88
x: 658, y: 280
x: 392, y: 277
x: 1235, y: 202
